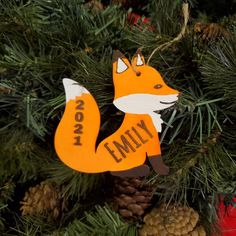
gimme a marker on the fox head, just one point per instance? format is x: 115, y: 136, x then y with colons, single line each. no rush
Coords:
x: 139, y: 88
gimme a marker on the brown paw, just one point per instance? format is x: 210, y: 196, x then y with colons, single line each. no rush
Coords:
x: 158, y: 165
x: 162, y: 170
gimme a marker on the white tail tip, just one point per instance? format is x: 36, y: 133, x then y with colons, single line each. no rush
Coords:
x: 73, y: 89
x: 69, y: 82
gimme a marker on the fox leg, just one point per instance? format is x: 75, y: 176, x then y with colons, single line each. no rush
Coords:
x: 158, y: 165
x: 139, y: 171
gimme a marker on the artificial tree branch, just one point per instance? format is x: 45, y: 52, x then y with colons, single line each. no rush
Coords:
x: 185, y: 10
x: 201, y: 152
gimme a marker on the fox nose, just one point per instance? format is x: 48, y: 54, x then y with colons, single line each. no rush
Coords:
x: 158, y: 86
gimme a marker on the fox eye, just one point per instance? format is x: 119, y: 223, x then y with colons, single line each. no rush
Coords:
x: 158, y: 86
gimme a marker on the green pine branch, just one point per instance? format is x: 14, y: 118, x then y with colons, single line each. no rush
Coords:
x: 44, y: 41
x: 218, y: 68
x: 21, y: 158
x: 196, y: 170
x: 31, y: 226
x: 102, y: 222
x: 193, y: 109
x: 74, y: 185
x: 6, y: 196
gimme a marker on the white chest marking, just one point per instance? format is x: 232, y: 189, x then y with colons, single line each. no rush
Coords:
x: 157, y: 121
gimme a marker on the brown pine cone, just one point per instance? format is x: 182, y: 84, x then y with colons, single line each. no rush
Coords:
x: 172, y: 220
x: 209, y: 31
x: 3, y: 89
x: 45, y: 199
x: 199, y: 231
x: 95, y: 5
x: 131, y: 197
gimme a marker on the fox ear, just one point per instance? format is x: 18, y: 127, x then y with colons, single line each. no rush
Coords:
x: 120, y: 62
x: 138, y: 59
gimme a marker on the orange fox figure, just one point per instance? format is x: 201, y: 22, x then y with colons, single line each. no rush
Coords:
x: 139, y: 92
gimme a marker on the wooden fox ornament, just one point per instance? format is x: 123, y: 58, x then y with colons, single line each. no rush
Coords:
x: 139, y: 92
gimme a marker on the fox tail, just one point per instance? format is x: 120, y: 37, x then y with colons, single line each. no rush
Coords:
x: 76, y: 134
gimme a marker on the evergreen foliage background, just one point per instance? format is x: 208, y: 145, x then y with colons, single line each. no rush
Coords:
x: 43, y: 41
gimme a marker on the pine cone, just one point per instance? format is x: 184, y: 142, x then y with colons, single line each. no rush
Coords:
x: 199, y: 231
x: 44, y: 198
x: 210, y: 31
x: 4, y: 90
x: 95, y: 5
x: 172, y: 221
x: 132, y: 197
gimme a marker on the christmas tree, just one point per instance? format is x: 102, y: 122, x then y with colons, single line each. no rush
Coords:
x: 191, y: 43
